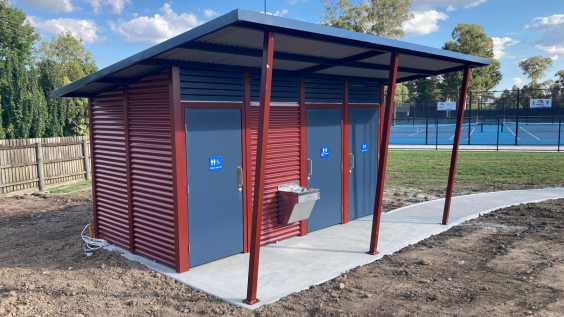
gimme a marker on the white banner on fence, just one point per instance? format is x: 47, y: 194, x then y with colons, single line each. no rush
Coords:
x: 446, y: 106
x: 541, y: 103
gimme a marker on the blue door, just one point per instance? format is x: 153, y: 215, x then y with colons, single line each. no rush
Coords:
x: 363, y: 155
x: 215, y: 200
x: 324, y: 151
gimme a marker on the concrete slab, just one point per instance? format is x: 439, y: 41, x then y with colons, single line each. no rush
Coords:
x: 297, y: 263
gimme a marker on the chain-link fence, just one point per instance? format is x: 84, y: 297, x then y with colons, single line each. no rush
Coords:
x: 490, y: 118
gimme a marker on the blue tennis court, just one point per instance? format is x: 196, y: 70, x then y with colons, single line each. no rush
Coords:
x: 477, y: 133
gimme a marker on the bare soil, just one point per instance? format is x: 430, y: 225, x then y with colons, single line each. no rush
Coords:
x: 507, y: 263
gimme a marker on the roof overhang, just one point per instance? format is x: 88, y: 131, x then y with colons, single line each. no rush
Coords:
x: 234, y: 42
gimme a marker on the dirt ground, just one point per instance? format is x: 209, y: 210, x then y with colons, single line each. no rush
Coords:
x: 507, y: 263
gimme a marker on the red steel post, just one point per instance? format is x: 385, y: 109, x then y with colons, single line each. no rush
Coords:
x: 456, y: 144
x: 383, y: 156
x: 303, y: 147
x: 264, y: 114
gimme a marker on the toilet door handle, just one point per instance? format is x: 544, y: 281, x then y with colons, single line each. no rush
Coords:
x: 351, y: 161
x: 309, y: 167
x: 240, y: 177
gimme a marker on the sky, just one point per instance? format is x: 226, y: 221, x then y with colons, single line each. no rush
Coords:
x: 115, y: 29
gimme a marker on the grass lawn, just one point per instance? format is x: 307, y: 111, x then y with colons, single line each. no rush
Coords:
x: 475, y: 170
x: 71, y: 187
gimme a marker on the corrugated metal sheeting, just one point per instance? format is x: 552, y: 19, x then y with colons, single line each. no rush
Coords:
x: 284, y: 89
x: 324, y: 90
x: 207, y: 85
x: 364, y: 92
x: 109, y: 167
x: 150, y: 164
x: 151, y: 168
x: 282, y: 166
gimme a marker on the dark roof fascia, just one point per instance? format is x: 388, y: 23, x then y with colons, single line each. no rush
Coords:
x: 211, y: 26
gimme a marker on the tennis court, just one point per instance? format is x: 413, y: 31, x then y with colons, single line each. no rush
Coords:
x: 488, y: 131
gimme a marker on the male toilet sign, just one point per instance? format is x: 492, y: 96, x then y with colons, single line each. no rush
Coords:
x: 324, y: 151
x: 364, y: 148
x: 216, y: 163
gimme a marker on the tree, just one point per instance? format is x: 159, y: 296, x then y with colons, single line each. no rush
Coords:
x: 535, y: 67
x: 64, y: 60
x: 377, y: 17
x: 559, y: 77
x: 17, y: 98
x: 472, y: 39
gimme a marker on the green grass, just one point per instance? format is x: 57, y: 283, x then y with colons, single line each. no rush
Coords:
x: 71, y: 187
x: 429, y: 169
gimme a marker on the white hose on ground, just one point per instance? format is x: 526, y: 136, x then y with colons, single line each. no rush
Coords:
x: 91, y: 244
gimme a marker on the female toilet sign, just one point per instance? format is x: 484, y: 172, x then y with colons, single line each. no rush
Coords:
x: 364, y: 148
x: 324, y: 151
x: 215, y: 163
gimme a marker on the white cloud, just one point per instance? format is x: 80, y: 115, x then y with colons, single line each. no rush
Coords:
x: 85, y: 29
x: 296, y: 1
x: 554, y: 58
x: 115, y: 5
x: 210, y: 13
x: 426, y: 5
x: 500, y: 43
x: 517, y: 81
x: 53, y: 6
x: 156, y: 29
x: 278, y: 13
x: 423, y: 23
x: 552, y: 27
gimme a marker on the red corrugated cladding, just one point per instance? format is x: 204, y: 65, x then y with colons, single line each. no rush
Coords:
x: 151, y: 182
x: 109, y: 167
x: 282, y: 166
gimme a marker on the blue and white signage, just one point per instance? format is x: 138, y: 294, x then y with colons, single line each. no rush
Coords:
x: 446, y: 106
x: 324, y: 151
x: 216, y: 163
x: 541, y: 103
x: 364, y: 148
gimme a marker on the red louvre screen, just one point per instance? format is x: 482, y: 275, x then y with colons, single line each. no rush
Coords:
x: 282, y: 166
x: 109, y: 167
x: 151, y: 167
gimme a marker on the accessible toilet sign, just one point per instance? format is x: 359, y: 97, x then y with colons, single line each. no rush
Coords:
x: 364, y: 148
x: 216, y: 163
x: 324, y: 151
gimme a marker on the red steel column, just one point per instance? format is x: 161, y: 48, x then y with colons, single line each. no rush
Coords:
x: 303, y: 147
x: 179, y: 174
x: 264, y: 114
x: 456, y: 144
x: 383, y: 156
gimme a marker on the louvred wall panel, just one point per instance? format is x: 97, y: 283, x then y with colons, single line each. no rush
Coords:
x: 282, y: 166
x: 109, y: 166
x: 151, y: 167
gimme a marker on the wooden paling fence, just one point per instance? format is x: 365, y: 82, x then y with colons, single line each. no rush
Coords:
x: 41, y: 163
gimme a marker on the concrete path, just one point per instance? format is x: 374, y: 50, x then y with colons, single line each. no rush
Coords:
x: 299, y: 262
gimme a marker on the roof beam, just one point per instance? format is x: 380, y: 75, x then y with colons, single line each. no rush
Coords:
x: 341, y: 62
x: 256, y: 70
x: 324, y: 63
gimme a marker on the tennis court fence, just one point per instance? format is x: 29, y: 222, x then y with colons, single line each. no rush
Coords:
x: 492, y: 131
x: 493, y: 118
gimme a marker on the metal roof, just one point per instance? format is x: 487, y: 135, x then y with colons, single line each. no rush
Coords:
x: 234, y: 42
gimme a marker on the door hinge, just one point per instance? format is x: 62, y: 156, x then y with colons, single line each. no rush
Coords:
x: 341, y: 165
x: 189, y: 251
x: 186, y: 128
x: 187, y: 189
x: 341, y: 209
